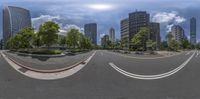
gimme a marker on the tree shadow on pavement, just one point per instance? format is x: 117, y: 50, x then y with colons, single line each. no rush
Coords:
x: 41, y: 58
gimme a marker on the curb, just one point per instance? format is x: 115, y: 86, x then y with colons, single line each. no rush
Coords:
x: 48, y: 71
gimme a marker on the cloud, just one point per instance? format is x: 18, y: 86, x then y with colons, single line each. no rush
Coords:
x: 64, y: 26
x: 169, y: 27
x: 165, y: 17
x: 168, y: 19
x: 42, y: 19
x: 64, y: 29
x: 102, y: 34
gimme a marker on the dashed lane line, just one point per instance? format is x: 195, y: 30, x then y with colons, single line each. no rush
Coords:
x: 188, y: 53
x: 197, y: 53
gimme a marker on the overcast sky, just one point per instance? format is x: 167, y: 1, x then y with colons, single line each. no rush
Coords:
x: 108, y: 13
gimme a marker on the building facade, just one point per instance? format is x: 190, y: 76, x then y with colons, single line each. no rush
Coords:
x: 154, y: 34
x: 104, y: 41
x: 178, y: 33
x: 91, y: 32
x: 193, y: 30
x: 137, y: 20
x: 14, y: 19
x: 124, y: 30
x: 112, y: 35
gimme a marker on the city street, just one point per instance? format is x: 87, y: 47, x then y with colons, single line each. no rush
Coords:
x: 110, y: 75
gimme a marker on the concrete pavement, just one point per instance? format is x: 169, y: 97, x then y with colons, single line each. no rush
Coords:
x: 98, y: 80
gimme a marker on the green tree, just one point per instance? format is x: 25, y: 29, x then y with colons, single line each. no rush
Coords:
x: 62, y: 41
x: 140, y: 38
x: 14, y: 42
x: 27, y: 35
x: 185, y: 44
x: 37, y: 40
x: 173, y: 45
x: 117, y: 44
x: 124, y: 42
x: 84, y: 42
x: 198, y: 46
x: 169, y: 36
x: 151, y: 44
x: 22, y: 40
x: 72, y: 38
x: 163, y: 45
x: 48, y: 33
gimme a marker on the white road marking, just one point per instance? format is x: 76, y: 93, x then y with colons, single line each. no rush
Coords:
x: 48, y: 76
x: 188, y: 53
x: 101, y: 54
x: 197, y: 53
x: 0, y: 53
x: 152, y: 77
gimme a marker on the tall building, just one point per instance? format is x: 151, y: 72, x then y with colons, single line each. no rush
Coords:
x: 155, y: 33
x: 112, y: 35
x: 124, y: 29
x: 193, y: 30
x: 14, y: 19
x: 178, y: 33
x: 91, y: 32
x: 104, y: 41
x: 137, y: 20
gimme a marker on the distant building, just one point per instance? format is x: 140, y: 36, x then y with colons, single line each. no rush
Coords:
x: 124, y: 29
x: 112, y: 35
x: 193, y: 30
x: 178, y: 33
x: 155, y: 33
x: 137, y: 20
x: 1, y: 44
x: 91, y: 32
x: 14, y: 19
x: 104, y: 41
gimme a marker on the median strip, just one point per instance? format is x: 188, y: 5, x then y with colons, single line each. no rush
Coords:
x: 143, y: 57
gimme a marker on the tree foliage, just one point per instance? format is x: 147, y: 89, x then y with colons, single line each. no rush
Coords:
x: 140, y: 38
x: 48, y: 33
x: 151, y: 44
x: 72, y: 38
x: 22, y: 40
x: 75, y: 39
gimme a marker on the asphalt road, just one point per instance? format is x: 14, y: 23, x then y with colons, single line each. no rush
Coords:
x: 98, y: 80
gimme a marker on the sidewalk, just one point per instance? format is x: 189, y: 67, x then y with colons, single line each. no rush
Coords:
x: 48, y: 63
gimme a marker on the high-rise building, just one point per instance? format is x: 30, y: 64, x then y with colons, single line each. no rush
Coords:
x: 14, y: 19
x: 137, y: 20
x: 154, y: 34
x: 112, y: 35
x: 178, y: 33
x: 104, y: 41
x: 91, y: 32
x: 193, y: 30
x: 124, y: 29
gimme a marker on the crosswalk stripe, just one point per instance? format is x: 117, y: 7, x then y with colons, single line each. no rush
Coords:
x: 188, y: 52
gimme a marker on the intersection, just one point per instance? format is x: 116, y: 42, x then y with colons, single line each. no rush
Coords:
x: 173, y: 77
